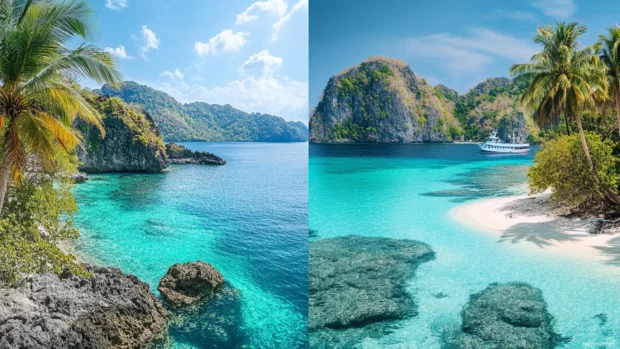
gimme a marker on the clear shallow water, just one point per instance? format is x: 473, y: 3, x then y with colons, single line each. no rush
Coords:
x: 247, y: 218
x: 408, y: 191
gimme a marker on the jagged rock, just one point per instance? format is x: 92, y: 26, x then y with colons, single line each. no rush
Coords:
x: 357, y: 287
x: 108, y: 310
x: 188, y: 283
x: 178, y: 154
x: 80, y: 177
x: 507, y: 316
x: 132, y: 143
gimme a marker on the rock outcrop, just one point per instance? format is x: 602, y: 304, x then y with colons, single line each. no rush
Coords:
x: 380, y: 100
x: 188, y: 283
x: 508, y: 316
x: 383, y: 101
x: 80, y: 177
x: 178, y: 154
x: 108, y: 310
x: 132, y: 143
x: 357, y: 287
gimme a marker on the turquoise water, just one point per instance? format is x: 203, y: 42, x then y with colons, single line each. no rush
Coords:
x: 247, y: 218
x: 408, y: 191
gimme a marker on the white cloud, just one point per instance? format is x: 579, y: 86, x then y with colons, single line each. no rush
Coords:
x: 116, y: 5
x: 516, y: 15
x: 227, y: 40
x: 466, y: 54
x: 118, y: 52
x: 261, y: 63
x: 258, y: 89
x: 150, y: 41
x: 277, y: 27
x: 561, y: 9
x: 274, y: 7
x: 175, y: 75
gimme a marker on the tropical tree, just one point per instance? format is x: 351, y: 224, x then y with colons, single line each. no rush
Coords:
x: 39, y: 99
x: 610, y: 56
x: 565, y: 80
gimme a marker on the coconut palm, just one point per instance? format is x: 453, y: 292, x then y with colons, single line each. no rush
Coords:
x: 610, y: 56
x: 565, y: 80
x: 39, y: 99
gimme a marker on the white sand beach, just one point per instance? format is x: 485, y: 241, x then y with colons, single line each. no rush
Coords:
x: 531, y: 221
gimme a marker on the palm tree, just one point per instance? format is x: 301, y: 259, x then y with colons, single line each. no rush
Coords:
x: 610, y: 56
x: 38, y: 97
x: 565, y: 80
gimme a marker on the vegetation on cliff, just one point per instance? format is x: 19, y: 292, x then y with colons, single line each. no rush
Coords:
x: 206, y: 122
x: 382, y: 100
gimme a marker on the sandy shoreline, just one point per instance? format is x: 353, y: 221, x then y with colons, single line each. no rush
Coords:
x: 530, y: 221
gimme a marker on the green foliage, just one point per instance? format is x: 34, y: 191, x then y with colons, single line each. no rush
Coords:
x: 207, y: 122
x: 562, y: 166
x: 36, y: 216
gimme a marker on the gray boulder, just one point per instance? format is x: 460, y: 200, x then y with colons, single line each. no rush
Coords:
x: 357, y: 287
x: 507, y: 316
x: 108, y: 310
x: 188, y: 283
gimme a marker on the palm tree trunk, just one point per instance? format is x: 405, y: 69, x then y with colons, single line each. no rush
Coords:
x: 567, y: 128
x: 5, y: 172
x: 618, y: 107
x: 608, y: 193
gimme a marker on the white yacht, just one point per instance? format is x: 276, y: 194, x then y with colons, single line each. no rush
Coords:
x: 495, y: 146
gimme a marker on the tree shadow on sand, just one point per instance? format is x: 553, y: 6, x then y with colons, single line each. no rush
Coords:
x: 612, y: 251
x: 542, y: 234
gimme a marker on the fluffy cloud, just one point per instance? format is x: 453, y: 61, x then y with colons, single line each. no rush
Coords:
x: 561, y: 9
x: 227, y: 40
x: 274, y: 7
x: 175, y: 75
x: 261, y: 63
x: 149, y: 41
x: 466, y: 54
x: 259, y: 88
x: 118, y: 52
x: 277, y: 27
x: 116, y: 5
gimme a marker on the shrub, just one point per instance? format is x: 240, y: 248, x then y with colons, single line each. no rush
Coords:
x: 562, y: 166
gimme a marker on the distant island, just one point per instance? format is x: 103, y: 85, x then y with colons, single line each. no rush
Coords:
x: 205, y: 122
x: 383, y: 101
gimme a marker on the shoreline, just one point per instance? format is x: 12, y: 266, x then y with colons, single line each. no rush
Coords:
x: 531, y: 222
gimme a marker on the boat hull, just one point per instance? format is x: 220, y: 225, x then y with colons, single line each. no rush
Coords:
x: 525, y: 151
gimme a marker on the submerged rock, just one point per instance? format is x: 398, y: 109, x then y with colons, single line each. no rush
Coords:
x: 357, y: 287
x: 507, y: 316
x: 188, y: 283
x: 108, y: 310
x: 211, y: 324
x: 178, y: 154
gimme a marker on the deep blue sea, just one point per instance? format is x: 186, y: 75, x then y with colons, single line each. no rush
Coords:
x: 408, y: 191
x: 247, y: 218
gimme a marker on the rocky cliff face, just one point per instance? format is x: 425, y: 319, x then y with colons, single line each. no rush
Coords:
x: 132, y: 143
x: 380, y: 100
x: 108, y: 310
x: 178, y: 154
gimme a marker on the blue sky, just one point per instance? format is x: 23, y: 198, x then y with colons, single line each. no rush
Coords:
x: 456, y: 43
x: 250, y: 54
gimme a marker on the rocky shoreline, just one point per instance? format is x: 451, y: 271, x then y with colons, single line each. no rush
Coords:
x: 108, y: 309
x: 178, y: 154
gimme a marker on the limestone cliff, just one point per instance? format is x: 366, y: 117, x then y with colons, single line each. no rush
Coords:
x: 132, y: 143
x: 381, y: 100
